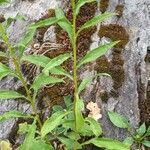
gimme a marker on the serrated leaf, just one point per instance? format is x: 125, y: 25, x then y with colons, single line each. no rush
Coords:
x: 2, y: 54
x: 146, y: 143
x: 29, y: 139
x: 43, y: 23
x: 78, y: 114
x: 96, y: 53
x: 69, y: 143
x: 95, y: 20
x: 64, y: 23
x: 86, y: 81
x: 57, y: 108
x: 68, y: 101
x: 148, y: 132
x: 26, y: 40
x: 86, y: 130
x: 4, y: 71
x: 109, y: 144
x: 39, y: 60
x: 13, y: 114
x: 8, y: 94
x: 118, y: 120
x: 55, y: 62
x: 128, y: 141
x: 52, y: 122
x: 80, y: 3
x: 43, y: 79
x: 95, y: 126
x: 60, y: 71
x: 73, y: 135
x: 24, y: 128
x: 141, y: 130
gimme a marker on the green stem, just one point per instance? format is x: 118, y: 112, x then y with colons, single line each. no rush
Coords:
x: 19, y: 73
x: 73, y: 3
x: 74, y: 57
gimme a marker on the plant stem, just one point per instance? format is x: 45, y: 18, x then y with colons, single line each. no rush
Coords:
x: 73, y: 3
x: 74, y: 57
x: 19, y: 73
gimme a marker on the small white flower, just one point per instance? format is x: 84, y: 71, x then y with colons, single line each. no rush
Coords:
x: 94, y: 110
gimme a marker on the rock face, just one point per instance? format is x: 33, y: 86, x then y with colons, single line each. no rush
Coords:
x: 128, y: 90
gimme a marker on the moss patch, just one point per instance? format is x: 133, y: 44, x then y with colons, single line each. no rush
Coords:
x: 104, y: 5
x: 115, y: 67
x: 119, y: 10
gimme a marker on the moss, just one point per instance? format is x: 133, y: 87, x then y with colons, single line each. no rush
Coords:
x: 115, y: 66
x: 104, y: 5
x: 105, y: 96
x: 2, y: 18
x: 115, y: 32
x: 102, y: 65
x: 119, y: 10
x: 3, y: 49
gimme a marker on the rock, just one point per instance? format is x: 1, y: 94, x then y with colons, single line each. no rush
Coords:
x: 122, y: 95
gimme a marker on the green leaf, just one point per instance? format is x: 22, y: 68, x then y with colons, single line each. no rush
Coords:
x: 68, y: 101
x: 13, y: 114
x: 78, y: 114
x: 43, y: 23
x: 25, y: 41
x: 4, y: 1
x: 24, y: 128
x: 95, y: 20
x: 69, y: 143
x: 86, y: 81
x: 56, y: 62
x: 57, y: 108
x: 2, y: 54
x: 43, y: 79
x: 109, y: 144
x: 39, y: 60
x: 8, y: 94
x: 86, y: 130
x: 95, y: 126
x: 64, y: 23
x: 4, y: 71
x: 29, y: 137
x: 60, y: 71
x: 148, y: 132
x: 118, y: 120
x: 141, y: 130
x: 52, y: 122
x: 73, y: 135
x: 146, y: 143
x: 96, y: 53
x: 128, y: 141
x: 40, y: 145
x: 80, y: 3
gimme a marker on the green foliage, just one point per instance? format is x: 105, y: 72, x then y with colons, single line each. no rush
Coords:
x: 64, y: 23
x: 109, y: 144
x: 55, y: 62
x: 13, y: 114
x: 141, y: 135
x: 118, y: 120
x: 65, y: 123
x: 52, y: 122
x: 80, y: 3
x: 43, y: 79
x: 96, y: 53
x: 8, y: 94
x: 95, y: 20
